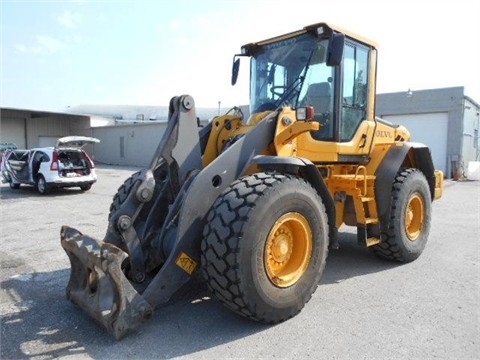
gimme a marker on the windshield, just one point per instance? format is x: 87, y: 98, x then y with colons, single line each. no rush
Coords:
x: 283, y: 72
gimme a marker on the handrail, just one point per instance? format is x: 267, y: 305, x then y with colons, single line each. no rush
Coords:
x: 363, y: 169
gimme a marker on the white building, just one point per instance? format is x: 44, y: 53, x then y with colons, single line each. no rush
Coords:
x: 445, y: 119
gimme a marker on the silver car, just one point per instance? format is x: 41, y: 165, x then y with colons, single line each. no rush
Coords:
x: 65, y: 165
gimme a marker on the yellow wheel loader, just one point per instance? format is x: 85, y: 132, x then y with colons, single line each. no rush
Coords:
x: 253, y: 204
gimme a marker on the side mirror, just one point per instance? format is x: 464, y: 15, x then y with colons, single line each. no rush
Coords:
x: 335, y: 50
x: 235, y: 69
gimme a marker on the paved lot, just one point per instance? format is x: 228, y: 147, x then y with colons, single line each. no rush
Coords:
x: 364, y: 308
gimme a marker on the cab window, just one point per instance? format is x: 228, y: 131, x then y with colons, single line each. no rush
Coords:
x: 355, y: 80
x: 318, y: 91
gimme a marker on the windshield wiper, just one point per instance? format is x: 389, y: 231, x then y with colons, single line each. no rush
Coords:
x: 298, y: 83
x: 292, y: 89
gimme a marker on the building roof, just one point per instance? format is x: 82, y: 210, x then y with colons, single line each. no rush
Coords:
x: 139, y: 112
x: 36, y: 114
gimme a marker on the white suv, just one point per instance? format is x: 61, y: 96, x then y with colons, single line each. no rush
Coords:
x: 65, y: 165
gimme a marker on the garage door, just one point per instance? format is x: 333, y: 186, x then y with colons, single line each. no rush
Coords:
x: 430, y: 129
x: 46, y: 141
x: 12, y: 130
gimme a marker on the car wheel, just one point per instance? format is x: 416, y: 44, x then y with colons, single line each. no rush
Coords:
x: 42, y: 185
x: 14, y: 185
x: 86, y: 187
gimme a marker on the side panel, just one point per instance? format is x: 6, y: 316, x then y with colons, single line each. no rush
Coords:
x: 327, y: 151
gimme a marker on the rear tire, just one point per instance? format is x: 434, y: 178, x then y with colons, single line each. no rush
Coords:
x: 265, y: 246
x: 410, y: 217
x: 14, y: 186
x: 86, y: 187
x: 42, y: 187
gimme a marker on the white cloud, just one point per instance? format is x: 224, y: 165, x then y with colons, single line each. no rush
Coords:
x: 21, y: 48
x: 43, y: 45
x: 49, y: 44
x: 176, y: 24
x: 70, y: 20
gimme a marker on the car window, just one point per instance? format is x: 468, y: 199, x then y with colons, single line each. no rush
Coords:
x: 40, y: 156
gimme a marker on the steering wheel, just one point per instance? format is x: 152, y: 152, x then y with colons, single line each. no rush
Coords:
x: 278, y: 90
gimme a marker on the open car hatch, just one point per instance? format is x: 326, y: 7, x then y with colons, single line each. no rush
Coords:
x: 75, y: 141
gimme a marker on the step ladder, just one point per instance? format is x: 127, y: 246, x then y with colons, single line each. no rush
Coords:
x: 360, y: 187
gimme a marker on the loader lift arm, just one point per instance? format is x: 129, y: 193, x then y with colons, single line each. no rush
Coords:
x: 114, y: 280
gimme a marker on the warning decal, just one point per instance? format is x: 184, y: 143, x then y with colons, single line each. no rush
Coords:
x: 186, y: 263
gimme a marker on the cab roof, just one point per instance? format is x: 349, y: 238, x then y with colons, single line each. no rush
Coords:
x: 321, y: 26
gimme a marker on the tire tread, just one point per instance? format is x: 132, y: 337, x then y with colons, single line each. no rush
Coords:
x: 389, y: 247
x: 221, y: 245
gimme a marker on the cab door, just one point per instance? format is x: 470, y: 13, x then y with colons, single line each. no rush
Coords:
x: 347, y: 133
x: 356, y: 121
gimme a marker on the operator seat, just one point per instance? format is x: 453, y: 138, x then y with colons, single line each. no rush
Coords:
x: 320, y: 97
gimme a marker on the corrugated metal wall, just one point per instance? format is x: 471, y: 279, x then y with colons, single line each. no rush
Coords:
x: 445, y: 100
x: 27, y: 127
x: 45, y: 127
x: 12, y: 130
x: 131, y: 145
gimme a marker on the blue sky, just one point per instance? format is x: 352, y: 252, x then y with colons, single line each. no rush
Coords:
x: 56, y: 54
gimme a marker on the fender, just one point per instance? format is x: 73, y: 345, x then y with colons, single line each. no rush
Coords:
x: 306, y: 169
x: 409, y: 154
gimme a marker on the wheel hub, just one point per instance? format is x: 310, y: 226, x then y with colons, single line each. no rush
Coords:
x: 414, y: 217
x: 288, y: 249
x: 281, y: 246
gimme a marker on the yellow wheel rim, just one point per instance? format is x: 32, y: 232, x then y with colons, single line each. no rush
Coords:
x: 288, y: 249
x: 414, y: 217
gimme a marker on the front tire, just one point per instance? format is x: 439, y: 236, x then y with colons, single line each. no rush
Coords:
x: 265, y: 246
x: 410, y: 217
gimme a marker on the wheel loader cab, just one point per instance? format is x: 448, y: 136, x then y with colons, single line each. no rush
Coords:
x: 331, y: 71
